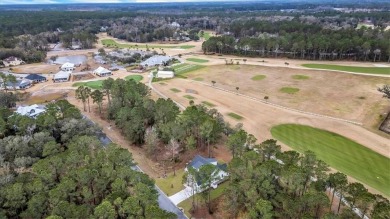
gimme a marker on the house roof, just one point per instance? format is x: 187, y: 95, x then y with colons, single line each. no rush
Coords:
x: 61, y: 75
x: 35, y: 77
x: 18, y: 83
x: 101, y: 70
x: 67, y: 65
x: 155, y: 60
x: 199, y: 161
x: 31, y: 111
x: 10, y: 59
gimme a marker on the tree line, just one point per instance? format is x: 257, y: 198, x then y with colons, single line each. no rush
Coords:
x: 294, y: 39
x: 55, y: 167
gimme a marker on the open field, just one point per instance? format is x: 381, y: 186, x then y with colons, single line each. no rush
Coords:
x: 339, y: 152
x: 367, y: 70
x: 98, y: 84
x: 197, y: 60
x: 328, y: 93
x: 113, y: 43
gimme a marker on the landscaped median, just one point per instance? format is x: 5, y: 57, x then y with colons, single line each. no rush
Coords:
x: 355, y: 69
x: 341, y: 153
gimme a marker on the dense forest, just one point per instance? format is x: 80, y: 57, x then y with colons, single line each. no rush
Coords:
x: 54, y: 166
x: 305, y: 41
x: 307, y: 32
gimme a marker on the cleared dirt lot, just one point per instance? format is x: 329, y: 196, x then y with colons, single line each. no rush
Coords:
x: 347, y: 96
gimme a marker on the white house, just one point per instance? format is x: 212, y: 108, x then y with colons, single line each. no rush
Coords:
x: 30, y: 111
x: 165, y: 74
x: 18, y: 85
x: 102, y: 72
x: 68, y: 67
x: 61, y: 76
x: 12, y: 61
x: 200, y: 161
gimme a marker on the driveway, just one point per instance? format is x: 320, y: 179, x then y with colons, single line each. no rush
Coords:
x: 181, y: 196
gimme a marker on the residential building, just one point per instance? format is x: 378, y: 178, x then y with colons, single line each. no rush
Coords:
x: 18, y: 85
x: 156, y: 61
x: 62, y: 76
x: 68, y: 67
x: 200, y: 161
x: 31, y: 111
x: 102, y: 72
x: 35, y: 78
x: 12, y: 61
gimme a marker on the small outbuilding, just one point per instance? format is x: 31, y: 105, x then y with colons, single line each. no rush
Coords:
x: 68, y: 67
x: 102, y: 72
x: 35, y: 78
x: 165, y: 74
x: 61, y: 76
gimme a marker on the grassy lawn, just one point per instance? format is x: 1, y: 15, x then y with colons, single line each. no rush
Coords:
x: 165, y: 184
x: 185, y: 68
x: 113, y: 43
x: 341, y: 153
x: 208, y: 104
x: 369, y: 70
x: 289, y: 90
x: 235, y: 116
x: 300, y: 77
x: 198, y: 79
x: 136, y: 78
x: 197, y: 60
x: 206, y: 35
x: 99, y: 84
x: 258, y: 77
x: 189, y: 97
x: 215, y: 193
x: 90, y: 84
x: 175, y: 90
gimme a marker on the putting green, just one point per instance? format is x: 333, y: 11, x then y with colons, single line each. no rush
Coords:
x: 339, y: 152
x: 367, y: 70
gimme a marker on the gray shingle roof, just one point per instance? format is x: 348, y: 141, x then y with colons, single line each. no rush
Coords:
x: 199, y: 161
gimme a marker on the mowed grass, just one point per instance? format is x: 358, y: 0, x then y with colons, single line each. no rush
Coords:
x: 258, y: 77
x: 235, y: 116
x: 189, y: 97
x: 99, y: 84
x: 113, y: 43
x: 300, y: 77
x: 339, y: 152
x: 198, y: 79
x: 171, y: 184
x: 197, y: 60
x: 215, y: 193
x: 175, y: 90
x: 208, y: 104
x: 368, y: 70
x: 289, y: 90
x: 185, y: 68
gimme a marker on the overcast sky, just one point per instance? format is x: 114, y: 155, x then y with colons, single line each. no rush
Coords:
x: 5, y: 2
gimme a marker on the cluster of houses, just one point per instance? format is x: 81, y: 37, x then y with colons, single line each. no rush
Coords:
x: 24, y: 83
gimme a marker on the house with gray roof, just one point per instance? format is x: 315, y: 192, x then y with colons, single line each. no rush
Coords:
x: 36, y: 78
x: 200, y: 161
x: 156, y: 61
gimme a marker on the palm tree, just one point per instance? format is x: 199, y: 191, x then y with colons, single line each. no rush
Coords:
x: 82, y: 95
x: 11, y: 78
x: 237, y: 88
x: 4, y: 80
x: 97, y: 97
x: 213, y: 82
x: 377, y: 52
